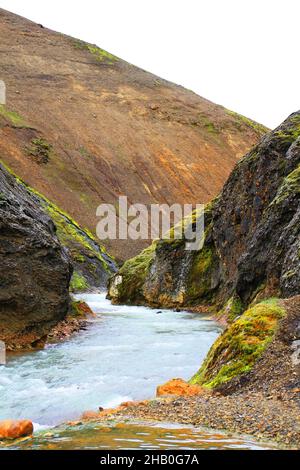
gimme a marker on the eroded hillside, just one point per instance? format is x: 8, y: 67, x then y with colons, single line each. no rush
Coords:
x: 82, y: 126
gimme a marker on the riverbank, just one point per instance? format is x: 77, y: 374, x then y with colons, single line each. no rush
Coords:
x: 252, y: 414
x: 264, y: 403
x: 77, y: 319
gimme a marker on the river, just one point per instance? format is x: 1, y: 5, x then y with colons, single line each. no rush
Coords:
x: 122, y: 355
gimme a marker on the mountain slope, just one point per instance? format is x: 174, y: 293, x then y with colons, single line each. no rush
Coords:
x: 82, y: 127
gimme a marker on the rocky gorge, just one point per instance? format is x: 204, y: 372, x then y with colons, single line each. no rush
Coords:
x: 226, y: 317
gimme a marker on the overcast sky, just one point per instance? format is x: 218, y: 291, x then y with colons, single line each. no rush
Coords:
x: 243, y: 54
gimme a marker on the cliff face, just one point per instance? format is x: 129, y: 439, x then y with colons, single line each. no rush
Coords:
x: 82, y: 127
x: 35, y: 269
x: 252, y: 242
x: 92, y: 265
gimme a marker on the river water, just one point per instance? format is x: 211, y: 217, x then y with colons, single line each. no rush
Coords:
x: 122, y: 355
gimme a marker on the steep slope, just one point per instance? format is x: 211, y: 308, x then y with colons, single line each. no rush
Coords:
x: 252, y: 243
x: 35, y: 269
x: 82, y: 127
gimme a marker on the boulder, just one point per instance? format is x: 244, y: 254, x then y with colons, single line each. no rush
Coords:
x: 10, y: 429
x: 35, y: 269
x: 179, y: 387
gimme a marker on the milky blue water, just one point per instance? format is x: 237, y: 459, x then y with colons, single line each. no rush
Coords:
x: 122, y: 355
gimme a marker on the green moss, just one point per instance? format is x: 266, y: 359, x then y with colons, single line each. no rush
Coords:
x: 199, y: 279
x: 289, y: 186
x: 73, y: 237
x: 79, y: 309
x: 206, y: 123
x: 242, y: 120
x: 134, y: 272
x: 291, y: 133
x: 84, y: 152
x: 232, y: 309
x: 78, y: 283
x: 15, y: 119
x: 100, y: 54
x: 242, y: 343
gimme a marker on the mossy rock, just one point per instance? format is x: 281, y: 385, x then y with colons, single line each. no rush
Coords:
x: 78, y: 283
x: 128, y: 284
x: 289, y: 186
x: 79, y: 309
x: 232, y: 309
x: 236, y: 351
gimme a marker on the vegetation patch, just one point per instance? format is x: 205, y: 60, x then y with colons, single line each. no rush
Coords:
x: 207, y: 124
x: 81, y: 243
x: 291, y: 133
x: 289, y: 186
x: 14, y: 118
x: 40, y: 151
x: 242, y: 343
x: 134, y: 272
x: 241, y: 120
x: 232, y: 309
x: 78, y: 283
x: 100, y: 54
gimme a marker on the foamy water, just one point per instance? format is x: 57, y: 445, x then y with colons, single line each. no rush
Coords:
x: 122, y: 355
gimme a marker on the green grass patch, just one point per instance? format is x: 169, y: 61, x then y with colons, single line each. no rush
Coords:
x: 14, y: 118
x: 243, y: 120
x: 100, y: 54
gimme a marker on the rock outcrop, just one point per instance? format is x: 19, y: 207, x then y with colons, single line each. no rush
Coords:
x: 179, y: 387
x: 35, y: 269
x: 92, y: 265
x: 82, y: 127
x: 252, y: 239
x: 15, y: 429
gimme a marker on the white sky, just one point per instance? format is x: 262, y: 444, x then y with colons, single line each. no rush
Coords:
x: 243, y: 54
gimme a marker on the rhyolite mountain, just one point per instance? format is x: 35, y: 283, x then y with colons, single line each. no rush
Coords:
x: 82, y: 127
x: 252, y: 244
x: 250, y: 259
